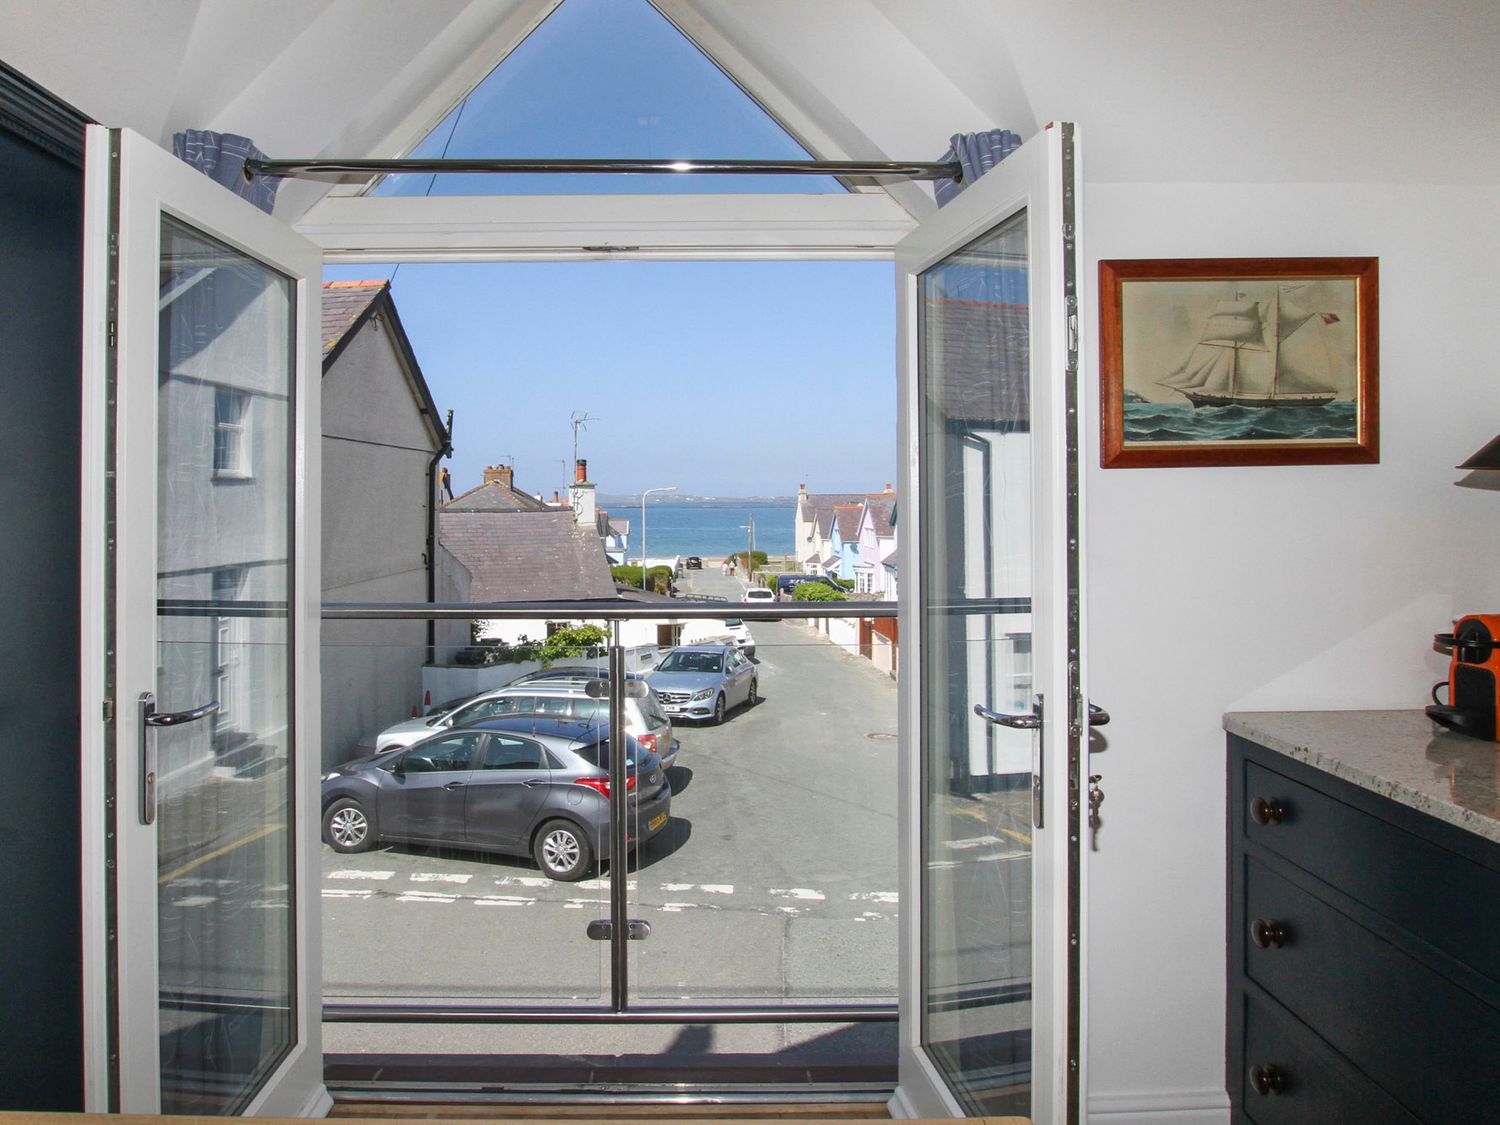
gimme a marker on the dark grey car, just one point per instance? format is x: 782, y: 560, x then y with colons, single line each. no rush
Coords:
x: 532, y: 785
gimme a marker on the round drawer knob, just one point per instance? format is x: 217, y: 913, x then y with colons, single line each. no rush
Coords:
x: 1267, y: 1080
x: 1266, y: 933
x: 1263, y: 811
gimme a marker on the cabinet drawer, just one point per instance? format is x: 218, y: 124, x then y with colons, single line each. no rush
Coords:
x: 1313, y: 1084
x: 1394, y: 1018
x: 1442, y: 897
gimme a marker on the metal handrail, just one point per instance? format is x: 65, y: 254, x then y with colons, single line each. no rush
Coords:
x: 461, y: 1013
x: 685, y: 609
x: 906, y: 169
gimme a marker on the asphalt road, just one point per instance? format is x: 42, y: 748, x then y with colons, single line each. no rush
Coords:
x: 775, y: 879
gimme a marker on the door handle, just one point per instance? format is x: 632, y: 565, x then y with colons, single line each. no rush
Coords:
x: 1098, y: 716
x: 1016, y: 722
x: 151, y: 717
x: 533, y: 782
x: 454, y: 785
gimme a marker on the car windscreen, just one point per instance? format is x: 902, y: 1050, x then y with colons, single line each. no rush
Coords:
x: 597, y: 754
x: 733, y: 622
x: 693, y: 662
x: 655, y: 717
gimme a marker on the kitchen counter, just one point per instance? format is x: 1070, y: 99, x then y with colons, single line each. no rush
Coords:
x: 1401, y: 755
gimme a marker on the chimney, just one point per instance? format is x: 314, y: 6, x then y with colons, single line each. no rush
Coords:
x: 888, y: 487
x: 581, y: 497
x: 499, y: 474
x: 802, y: 489
x: 556, y: 499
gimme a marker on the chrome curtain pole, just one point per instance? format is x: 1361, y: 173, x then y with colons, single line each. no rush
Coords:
x: 902, y: 169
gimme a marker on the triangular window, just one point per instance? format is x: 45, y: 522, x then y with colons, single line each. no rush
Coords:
x: 607, y: 79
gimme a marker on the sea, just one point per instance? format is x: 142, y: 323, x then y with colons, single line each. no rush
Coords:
x: 1158, y: 421
x: 712, y: 529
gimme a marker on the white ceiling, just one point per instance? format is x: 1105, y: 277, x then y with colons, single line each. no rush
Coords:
x: 1163, y: 90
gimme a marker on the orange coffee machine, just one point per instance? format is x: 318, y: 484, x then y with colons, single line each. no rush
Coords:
x: 1473, y: 676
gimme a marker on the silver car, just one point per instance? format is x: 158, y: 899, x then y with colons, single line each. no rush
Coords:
x: 705, y: 681
x: 562, y: 692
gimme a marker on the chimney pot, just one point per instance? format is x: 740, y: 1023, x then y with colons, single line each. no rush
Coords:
x: 581, y: 471
x: 888, y: 487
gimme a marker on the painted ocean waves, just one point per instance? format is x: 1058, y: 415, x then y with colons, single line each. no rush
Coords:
x: 1173, y: 422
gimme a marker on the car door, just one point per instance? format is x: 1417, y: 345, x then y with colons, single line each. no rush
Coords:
x: 510, y: 781
x: 738, y: 675
x: 424, y: 799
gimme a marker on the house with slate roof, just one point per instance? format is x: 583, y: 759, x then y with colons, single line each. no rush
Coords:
x: 382, y: 441
x: 813, y: 526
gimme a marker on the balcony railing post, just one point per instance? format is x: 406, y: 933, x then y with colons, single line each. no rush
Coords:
x: 618, y: 860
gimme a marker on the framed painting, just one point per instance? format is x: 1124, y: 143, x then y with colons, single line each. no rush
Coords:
x: 1238, y: 361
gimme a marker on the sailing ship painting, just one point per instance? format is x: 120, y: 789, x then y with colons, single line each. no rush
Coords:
x: 1269, y: 374
x: 1238, y: 361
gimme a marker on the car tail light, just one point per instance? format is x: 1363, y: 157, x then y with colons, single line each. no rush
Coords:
x: 600, y: 785
x: 648, y: 741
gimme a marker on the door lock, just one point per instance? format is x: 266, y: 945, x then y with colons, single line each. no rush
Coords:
x: 151, y: 717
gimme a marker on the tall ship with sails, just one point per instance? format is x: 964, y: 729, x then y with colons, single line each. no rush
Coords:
x: 1250, y: 353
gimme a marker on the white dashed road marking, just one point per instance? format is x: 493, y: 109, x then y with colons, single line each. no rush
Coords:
x: 354, y: 874
x: 798, y: 893
x: 974, y: 842
x: 504, y: 900
x: 332, y: 892
x: 890, y: 897
x: 425, y: 896
x: 438, y: 877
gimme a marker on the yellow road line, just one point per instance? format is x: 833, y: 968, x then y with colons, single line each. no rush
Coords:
x: 1014, y: 835
x: 258, y: 834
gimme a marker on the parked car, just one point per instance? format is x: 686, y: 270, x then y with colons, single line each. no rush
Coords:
x: 533, y: 785
x: 758, y: 594
x: 787, y: 583
x: 705, y: 681
x: 692, y: 562
x: 553, y: 691
x: 729, y: 630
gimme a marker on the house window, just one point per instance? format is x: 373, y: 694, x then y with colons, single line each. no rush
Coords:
x: 231, y: 458
x: 864, y: 581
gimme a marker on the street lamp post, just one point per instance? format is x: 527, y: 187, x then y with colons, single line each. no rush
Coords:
x: 750, y: 554
x: 648, y: 492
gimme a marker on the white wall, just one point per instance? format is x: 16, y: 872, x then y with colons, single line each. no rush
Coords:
x: 1282, y: 588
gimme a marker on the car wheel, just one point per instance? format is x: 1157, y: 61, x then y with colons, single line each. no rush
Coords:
x: 562, y: 851
x: 347, y: 827
x: 754, y: 697
x: 718, y: 709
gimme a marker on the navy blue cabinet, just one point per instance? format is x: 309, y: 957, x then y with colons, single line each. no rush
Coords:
x: 1364, y: 954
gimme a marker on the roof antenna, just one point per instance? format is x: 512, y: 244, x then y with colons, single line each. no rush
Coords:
x: 580, y: 422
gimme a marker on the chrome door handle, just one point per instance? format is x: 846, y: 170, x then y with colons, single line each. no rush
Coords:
x: 1018, y: 722
x: 454, y: 785
x: 151, y: 717
x: 533, y: 782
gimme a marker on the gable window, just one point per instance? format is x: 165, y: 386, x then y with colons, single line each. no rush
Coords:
x: 231, y: 458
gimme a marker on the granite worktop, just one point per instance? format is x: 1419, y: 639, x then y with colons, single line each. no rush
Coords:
x: 1402, y: 755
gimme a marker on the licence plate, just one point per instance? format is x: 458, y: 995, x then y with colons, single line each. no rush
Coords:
x: 656, y: 822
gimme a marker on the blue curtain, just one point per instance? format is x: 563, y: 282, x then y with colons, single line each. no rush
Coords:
x: 976, y: 154
x: 221, y: 157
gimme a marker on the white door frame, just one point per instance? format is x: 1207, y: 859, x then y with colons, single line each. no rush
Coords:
x: 1033, y: 178
x: 120, y: 359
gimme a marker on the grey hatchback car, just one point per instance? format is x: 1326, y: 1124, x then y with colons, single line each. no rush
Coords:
x: 532, y: 785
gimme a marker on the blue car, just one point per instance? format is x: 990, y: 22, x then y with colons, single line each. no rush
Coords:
x: 704, y: 681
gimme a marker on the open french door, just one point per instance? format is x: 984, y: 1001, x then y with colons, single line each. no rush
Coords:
x: 200, y: 666
x: 994, y: 711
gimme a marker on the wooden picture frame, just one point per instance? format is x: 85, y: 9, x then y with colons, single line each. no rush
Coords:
x: 1238, y: 361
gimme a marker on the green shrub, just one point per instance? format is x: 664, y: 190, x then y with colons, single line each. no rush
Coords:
x: 575, y: 640
x: 659, y: 577
x: 817, y: 592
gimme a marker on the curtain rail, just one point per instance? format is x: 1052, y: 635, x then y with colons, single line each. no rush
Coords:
x: 906, y: 169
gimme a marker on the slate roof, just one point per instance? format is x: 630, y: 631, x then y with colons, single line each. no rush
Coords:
x: 817, y: 507
x: 983, y: 361
x: 527, y: 556
x: 880, y: 516
x: 848, y: 520
x: 344, y: 304
x: 493, y: 496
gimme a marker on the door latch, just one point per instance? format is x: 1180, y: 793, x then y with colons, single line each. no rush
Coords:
x: 151, y: 717
x: 1096, y: 798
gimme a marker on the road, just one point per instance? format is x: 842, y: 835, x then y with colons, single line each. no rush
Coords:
x: 775, y: 879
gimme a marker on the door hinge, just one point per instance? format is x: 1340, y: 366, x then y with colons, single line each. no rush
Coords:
x: 109, y: 710
x: 110, y: 334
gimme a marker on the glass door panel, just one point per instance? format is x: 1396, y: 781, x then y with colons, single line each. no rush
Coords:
x: 225, y: 917
x: 200, y: 541
x: 976, y: 621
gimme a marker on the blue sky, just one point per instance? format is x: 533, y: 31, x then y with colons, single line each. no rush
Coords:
x: 728, y: 379
x: 723, y: 378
